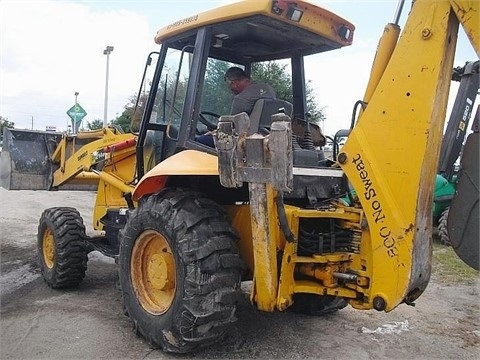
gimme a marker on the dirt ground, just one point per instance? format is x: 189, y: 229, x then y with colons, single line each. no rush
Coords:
x: 87, y: 323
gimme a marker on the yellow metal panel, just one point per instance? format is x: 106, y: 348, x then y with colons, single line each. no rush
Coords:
x: 94, y: 134
x: 287, y: 283
x: 307, y: 286
x: 385, y: 48
x: 116, y: 180
x: 187, y: 162
x: 224, y: 13
x: 239, y: 216
x: 467, y: 12
x: 81, y: 159
x: 264, y: 234
x: 391, y: 155
x: 314, y: 19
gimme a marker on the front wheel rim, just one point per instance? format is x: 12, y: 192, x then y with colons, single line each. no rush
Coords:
x: 153, y: 272
x: 48, y: 247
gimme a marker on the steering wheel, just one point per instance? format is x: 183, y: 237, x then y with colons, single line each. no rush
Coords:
x: 208, y: 123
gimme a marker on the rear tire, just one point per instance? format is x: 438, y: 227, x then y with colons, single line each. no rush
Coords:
x: 180, y: 271
x: 62, y: 249
x: 442, y: 228
x: 312, y: 304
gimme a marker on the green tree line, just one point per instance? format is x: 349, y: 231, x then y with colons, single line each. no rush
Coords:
x: 217, y: 97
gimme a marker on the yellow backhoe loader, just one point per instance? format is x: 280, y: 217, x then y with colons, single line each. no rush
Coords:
x: 187, y: 222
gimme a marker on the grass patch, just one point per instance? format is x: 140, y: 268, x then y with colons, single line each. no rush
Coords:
x: 448, y: 268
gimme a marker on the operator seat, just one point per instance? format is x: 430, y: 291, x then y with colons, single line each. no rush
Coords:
x: 261, y: 115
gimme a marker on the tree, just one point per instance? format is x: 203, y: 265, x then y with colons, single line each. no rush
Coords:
x: 218, y: 98
x: 279, y: 77
x: 95, y: 124
x: 124, y: 120
x: 167, y: 107
x: 4, y: 123
x: 276, y: 75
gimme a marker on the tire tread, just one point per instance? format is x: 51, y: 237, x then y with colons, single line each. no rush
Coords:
x: 206, y: 245
x: 71, y: 257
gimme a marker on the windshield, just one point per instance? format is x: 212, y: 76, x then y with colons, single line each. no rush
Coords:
x: 171, y: 92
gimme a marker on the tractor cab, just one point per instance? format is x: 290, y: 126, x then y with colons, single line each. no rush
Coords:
x: 188, y: 91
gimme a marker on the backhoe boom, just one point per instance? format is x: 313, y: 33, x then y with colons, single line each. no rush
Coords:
x: 391, y: 155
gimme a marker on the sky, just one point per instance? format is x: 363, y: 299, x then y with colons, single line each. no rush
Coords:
x: 50, y: 49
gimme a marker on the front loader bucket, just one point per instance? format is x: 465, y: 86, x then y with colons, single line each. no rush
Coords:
x: 25, y: 159
x: 463, y: 216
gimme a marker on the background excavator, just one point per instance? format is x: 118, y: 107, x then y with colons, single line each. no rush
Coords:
x: 452, y: 144
x: 187, y: 223
x: 457, y: 129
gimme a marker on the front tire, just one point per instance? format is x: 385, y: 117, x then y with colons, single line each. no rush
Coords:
x: 180, y: 271
x: 62, y: 249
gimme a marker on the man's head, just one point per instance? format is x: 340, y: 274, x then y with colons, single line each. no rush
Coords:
x: 237, y: 79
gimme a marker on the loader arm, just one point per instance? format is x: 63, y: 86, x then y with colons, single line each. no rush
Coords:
x: 105, y: 156
x: 76, y: 155
x: 394, y: 148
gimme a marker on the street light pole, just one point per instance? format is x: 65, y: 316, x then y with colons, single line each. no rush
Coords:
x: 107, y: 52
x: 75, y: 126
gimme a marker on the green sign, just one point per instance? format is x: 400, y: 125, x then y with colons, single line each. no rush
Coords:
x: 76, y: 113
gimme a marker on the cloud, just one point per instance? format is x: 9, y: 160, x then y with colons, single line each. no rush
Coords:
x: 51, y: 49
x: 339, y: 79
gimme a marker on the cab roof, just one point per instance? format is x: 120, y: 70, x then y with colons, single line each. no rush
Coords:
x: 261, y: 30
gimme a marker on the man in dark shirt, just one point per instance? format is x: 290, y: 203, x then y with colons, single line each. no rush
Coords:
x: 246, y: 93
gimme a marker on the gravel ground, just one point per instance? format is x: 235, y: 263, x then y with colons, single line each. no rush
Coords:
x: 87, y: 322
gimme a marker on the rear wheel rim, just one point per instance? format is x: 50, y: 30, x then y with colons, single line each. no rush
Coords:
x: 153, y: 272
x: 48, y: 248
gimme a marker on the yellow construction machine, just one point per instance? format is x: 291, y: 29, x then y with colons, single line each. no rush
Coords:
x: 187, y: 223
